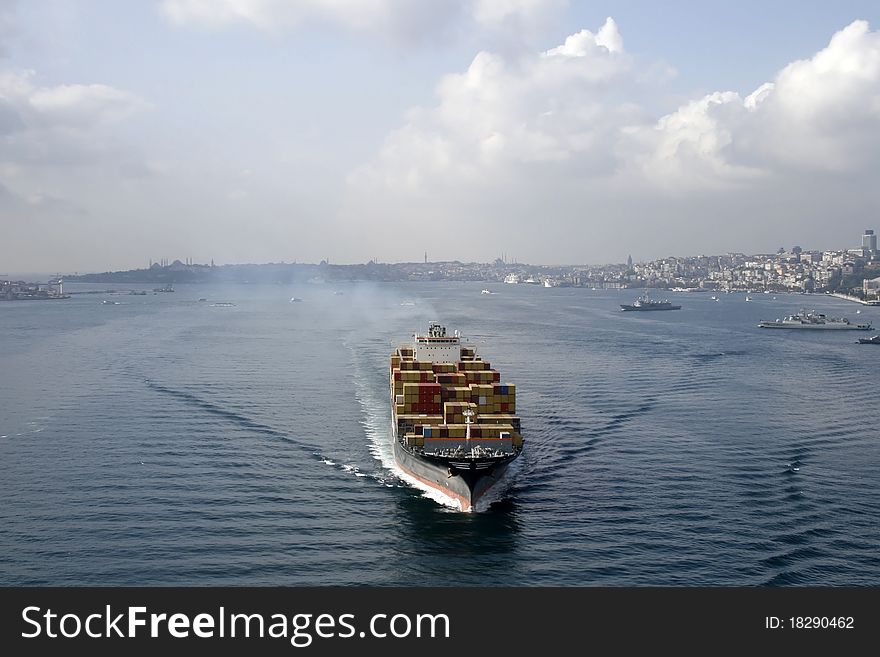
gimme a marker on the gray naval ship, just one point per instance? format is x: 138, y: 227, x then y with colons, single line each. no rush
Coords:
x: 644, y: 303
x: 454, y: 423
x: 814, y: 321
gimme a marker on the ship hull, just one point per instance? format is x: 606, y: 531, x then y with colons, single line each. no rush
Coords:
x: 626, y: 308
x: 467, y: 486
x: 817, y: 327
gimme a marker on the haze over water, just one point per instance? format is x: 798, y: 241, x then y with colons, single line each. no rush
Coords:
x: 167, y: 441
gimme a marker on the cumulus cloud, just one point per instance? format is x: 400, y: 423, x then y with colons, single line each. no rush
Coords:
x: 53, y: 124
x: 820, y: 114
x: 562, y: 130
x: 553, y: 107
x: 57, y: 140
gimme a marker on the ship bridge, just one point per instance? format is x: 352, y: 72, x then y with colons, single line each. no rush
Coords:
x: 436, y: 346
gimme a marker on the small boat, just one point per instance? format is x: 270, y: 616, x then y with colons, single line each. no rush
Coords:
x: 874, y: 339
x: 486, y: 292
x: 223, y: 304
x: 714, y: 298
x: 107, y: 302
x: 748, y: 298
x: 295, y: 299
x: 203, y: 299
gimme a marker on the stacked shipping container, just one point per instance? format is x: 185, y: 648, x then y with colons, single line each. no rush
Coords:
x: 430, y: 400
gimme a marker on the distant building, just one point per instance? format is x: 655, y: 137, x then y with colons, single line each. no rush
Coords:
x: 629, y: 262
x: 869, y: 242
x: 871, y: 286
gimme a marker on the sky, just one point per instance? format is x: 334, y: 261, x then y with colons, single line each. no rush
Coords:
x: 552, y: 131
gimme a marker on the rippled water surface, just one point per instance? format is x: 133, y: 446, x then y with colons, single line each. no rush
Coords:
x: 163, y: 440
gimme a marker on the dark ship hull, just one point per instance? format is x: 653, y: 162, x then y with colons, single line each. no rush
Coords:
x: 654, y: 306
x: 465, y: 481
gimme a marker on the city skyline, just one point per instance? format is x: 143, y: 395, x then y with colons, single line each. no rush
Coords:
x: 265, y: 131
x: 868, y: 241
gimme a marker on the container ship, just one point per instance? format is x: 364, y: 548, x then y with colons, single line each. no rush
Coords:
x: 454, y: 423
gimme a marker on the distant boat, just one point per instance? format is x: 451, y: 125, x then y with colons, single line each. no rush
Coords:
x: 547, y: 283
x: 748, y: 298
x: 874, y: 339
x: 203, y: 299
x: 294, y: 299
x: 486, y: 292
x: 223, y: 304
x: 167, y: 288
x: 714, y: 298
x: 107, y: 302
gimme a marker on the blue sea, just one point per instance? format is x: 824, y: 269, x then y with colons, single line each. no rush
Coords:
x: 163, y: 440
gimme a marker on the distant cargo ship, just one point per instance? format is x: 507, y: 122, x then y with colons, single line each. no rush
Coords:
x: 453, y: 422
x: 644, y: 303
x: 814, y: 321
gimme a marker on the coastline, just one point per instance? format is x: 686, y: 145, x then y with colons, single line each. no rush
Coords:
x: 847, y: 297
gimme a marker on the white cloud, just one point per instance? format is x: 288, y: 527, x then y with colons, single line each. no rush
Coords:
x: 820, y: 114
x: 83, y: 104
x: 585, y: 42
x: 55, y: 141
x: 39, y: 122
x: 500, y: 113
x: 382, y: 16
x: 562, y: 130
